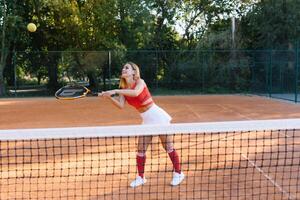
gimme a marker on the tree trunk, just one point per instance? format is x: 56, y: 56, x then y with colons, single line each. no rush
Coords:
x: 53, y: 83
x: 3, y: 52
x: 2, y: 88
x: 123, y: 28
x: 92, y: 81
x: 2, y: 66
x: 104, y: 71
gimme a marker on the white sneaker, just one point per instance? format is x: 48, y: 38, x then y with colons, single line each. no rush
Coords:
x: 177, y: 178
x: 138, y: 181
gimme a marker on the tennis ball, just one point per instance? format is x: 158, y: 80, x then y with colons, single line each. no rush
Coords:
x: 31, y: 27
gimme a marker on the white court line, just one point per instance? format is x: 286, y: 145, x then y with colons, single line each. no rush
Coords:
x: 290, y: 196
x: 234, y: 111
x: 192, y: 111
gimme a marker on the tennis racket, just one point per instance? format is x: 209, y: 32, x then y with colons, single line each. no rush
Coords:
x: 71, y: 92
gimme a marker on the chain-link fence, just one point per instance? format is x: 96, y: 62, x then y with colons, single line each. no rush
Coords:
x: 273, y: 73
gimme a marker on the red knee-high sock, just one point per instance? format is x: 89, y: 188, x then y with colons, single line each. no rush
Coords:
x: 175, y: 160
x: 140, y: 161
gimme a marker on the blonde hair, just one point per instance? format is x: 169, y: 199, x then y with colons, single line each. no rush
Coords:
x: 135, y: 67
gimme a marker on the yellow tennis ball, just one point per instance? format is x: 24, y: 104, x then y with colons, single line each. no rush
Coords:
x: 31, y: 27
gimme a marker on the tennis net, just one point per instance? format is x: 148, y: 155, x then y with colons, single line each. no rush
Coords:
x: 221, y: 160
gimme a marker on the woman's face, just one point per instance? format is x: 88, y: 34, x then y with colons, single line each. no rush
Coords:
x: 127, y: 71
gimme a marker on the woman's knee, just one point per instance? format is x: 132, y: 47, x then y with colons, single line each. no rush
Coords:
x: 141, y: 154
x: 167, y: 143
x: 143, y: 144
x: 169, y: 147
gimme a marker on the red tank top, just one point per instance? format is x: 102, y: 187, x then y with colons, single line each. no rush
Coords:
x: 138, y: 101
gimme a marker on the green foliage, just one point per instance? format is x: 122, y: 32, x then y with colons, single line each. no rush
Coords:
x: 74, y: 39
x: 272, y: 24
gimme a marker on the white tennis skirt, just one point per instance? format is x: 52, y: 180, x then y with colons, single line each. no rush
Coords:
x: 156, y: 115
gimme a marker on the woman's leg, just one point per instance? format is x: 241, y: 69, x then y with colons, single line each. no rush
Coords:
x: 178, y: 176
x: 167, y: 141
x: 143, y: 143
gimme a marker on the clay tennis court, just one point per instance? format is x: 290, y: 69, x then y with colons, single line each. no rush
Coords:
x: 49, y: 112
x: 98, y: 176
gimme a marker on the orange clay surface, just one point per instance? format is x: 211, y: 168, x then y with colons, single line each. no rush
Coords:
x: 49, y: 112
x: 216, y: 166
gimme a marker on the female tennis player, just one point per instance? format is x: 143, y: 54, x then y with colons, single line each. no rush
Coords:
x: 134, y: 91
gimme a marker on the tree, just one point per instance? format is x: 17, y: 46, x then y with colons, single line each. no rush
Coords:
x: 272, y: 24
x: 8, y: 25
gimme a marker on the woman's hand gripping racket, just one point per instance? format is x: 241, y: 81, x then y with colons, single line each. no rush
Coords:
x: 71, y: 92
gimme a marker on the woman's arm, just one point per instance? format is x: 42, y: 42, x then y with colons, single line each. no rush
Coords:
x: 117, y: 101
x: 128, y: 92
